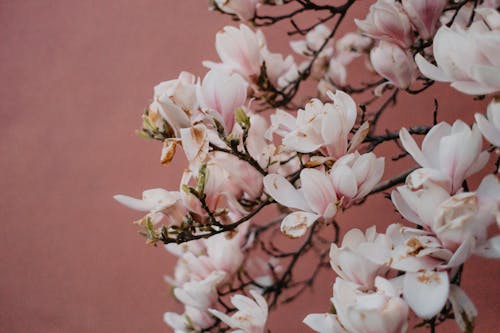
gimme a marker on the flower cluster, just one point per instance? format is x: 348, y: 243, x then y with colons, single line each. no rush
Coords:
x: 251, y: 142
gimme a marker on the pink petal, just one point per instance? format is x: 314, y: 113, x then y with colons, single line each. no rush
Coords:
x: 284, y: 192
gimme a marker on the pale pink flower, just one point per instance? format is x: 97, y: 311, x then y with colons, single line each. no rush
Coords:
x: 355, y: 175
x: 221, y: 94
x: 424, y: 15
x: 319, y: 126
x: 200, y: 294
x: 316, y: 198
x: 176, y: 101
x: 350, y: 264
x: 454, y: 151
x: 394, y: 64
x: 192, y: 318
x: 387, y: 20
x: 381, y: 311
x: 490, y: 127
x: 466, y: 58
x: 251, y: 316
x: 239, y: 50
x: 245, y: 9
x: 279, y: 70
x: 159, y: 203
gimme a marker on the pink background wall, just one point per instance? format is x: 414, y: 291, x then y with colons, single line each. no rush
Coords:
x: 74, y: 79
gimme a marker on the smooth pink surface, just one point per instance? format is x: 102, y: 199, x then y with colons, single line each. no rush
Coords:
x: 75, y: 76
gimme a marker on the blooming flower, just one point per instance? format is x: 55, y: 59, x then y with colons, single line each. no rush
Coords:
x: 251, y: 315
x: 490, y: 127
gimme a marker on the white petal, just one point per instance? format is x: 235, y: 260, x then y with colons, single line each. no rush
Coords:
x: 284, y: 192
x: 426, y: 292
x: 463, y: 308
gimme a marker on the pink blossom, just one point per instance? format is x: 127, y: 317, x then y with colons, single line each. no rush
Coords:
x: 192, y: 318
x: 316, y: 198
x: 239, y: 50
x: 386, y: 20
x: 454, y: 151
x: 424, y: 15
x: 490, y: 127
x: 355, y: 175
x: 251, y: 316
x: 394, y: 64
x: 200, y: 294
x: 381, y: 311
x: 351, y: 46
x: 245, y: 9
x: 175, y: 101
x: 350, y: 264
x: 468, y: 58
x: 221, y: 94
x: 313, y: 42
x: 321, y: 126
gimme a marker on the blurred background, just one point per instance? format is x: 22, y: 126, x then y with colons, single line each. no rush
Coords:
x: 75, y: 77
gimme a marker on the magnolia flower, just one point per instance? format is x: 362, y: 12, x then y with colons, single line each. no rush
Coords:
x: 195, y: 143
x: 221, y: 94
x: 424, y: 15
x: 386, y: 20
x: 239, y: 50
x: 251, y: 315
x: 353, y: 266
x: 394, y: 64
x: 159, y: 203
x: 454, y: 151
x: 175, y: 101
x: 321, y: 126
x: 200, y: 294
x: 406, y: 249
x: 245, y: 9
x: 466, y: 58
x: 381, y: 311
x: 280, y: 71
x: 316, y: 198
x: 354, y: 176
x: 191, y: 319
x: 490, y: 127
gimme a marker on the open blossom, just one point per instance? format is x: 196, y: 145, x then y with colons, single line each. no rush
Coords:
x: 352, y: 45
x: 239, y: 51
x: 319, y: 126
x: 355, y: 175
x: 279, y: 70
x: 159, y: 203
x: 468, y: 58
x: 386, y: 20
x: 245, y: 9
x: 175, y: 101
x: 394, y: 64
x: 251, y: 315
x: 316, y: 198
x: 490, y: 127
x: 221, y: 94
x: 424, y: 15
x: 454, y: 151
x: 200, y: 293
x: 382, y: 311
x: 191, y: 319
x: 350, y: 264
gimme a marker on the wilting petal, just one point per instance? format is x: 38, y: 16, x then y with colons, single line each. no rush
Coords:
x: 463, y: 308
x: 295, y: 225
